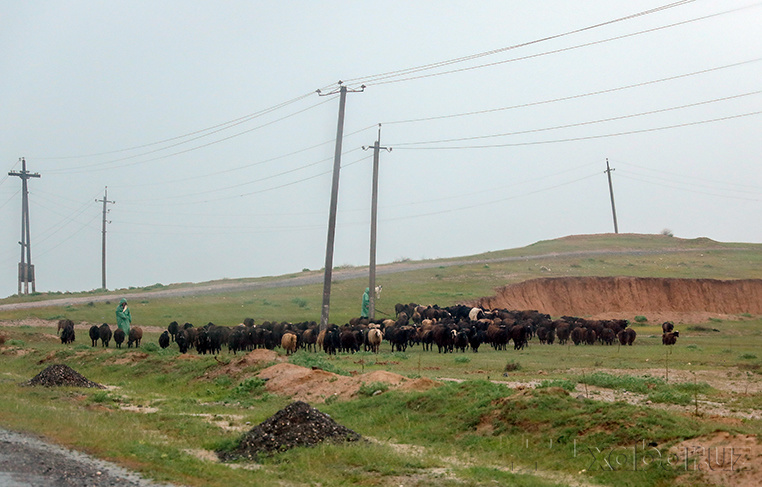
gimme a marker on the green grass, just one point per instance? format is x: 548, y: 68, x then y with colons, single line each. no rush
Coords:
x: 476, y: 432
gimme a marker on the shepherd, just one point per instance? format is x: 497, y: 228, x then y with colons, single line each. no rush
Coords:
x: 364, y: 311
x: 123, y: 317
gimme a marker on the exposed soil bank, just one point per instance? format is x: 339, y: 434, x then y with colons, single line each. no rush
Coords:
x: 583, y: 296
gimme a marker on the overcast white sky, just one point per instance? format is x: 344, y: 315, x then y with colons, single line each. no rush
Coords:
x: 138, y: 96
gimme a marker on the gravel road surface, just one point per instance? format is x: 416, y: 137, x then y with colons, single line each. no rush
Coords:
x: 27, y: 461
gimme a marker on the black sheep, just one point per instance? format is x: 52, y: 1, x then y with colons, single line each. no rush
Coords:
x: 164, y: 339
x: 67, y: 334
x: 182, y: 340
x: 172, y: 329
x: 94, y: 334
x: 118, y: 337
x: 105, y: 334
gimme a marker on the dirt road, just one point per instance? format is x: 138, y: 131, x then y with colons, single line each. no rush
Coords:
x: 315, y: 278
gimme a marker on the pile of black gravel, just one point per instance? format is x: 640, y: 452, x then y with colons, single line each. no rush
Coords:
x: 298, y: 424
x: 61, y: 375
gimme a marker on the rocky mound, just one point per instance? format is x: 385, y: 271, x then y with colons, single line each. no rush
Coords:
x: 298, y: 424
x: 61, y: 375
x: 584, y: 296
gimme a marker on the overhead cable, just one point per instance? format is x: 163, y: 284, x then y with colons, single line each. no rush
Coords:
x: 580, y: 124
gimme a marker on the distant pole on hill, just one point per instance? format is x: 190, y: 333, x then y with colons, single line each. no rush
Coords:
x: 611, y: 192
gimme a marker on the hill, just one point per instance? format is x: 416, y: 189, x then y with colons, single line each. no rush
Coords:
x: 298, y: 296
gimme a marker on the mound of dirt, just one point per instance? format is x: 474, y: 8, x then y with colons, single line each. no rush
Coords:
x: 61, y: 375
x: 236, y: 367
x: 586, y: 296
x: 316, y: 385
x: 298, y: 424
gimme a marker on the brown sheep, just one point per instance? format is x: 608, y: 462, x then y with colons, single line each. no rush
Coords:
x: 288, y: 343
x: 136, y: 334
x: 670, y: 338
x: 667, y: 327
x: 63, y: 324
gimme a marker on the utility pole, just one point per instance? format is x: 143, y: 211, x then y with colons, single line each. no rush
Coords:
x: 334, y: 204
x: 373, y: 219
x: 26, y: 269
x: 611, y: 192
x: 103, y: 252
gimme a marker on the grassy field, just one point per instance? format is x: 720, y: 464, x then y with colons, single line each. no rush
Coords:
x: 475, y: 429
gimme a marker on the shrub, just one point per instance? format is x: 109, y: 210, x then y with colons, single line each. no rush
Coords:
x: 641, y: 319
x: 748, y: 356
x: 511, y: 366
x: 462, y: 360
x: 565, y: 384
x: 301, y: 302
x: 251, y: 386
x: 368, y: 390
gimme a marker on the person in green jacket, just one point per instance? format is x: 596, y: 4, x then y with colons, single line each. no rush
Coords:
x: 123, y: 317
x: 365, y: 303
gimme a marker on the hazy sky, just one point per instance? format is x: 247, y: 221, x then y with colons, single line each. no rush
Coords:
x: 203, y: 121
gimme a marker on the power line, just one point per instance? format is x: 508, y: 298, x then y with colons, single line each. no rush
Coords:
x: 96, y: 166
x: 590, y: 137
x: 672, y: 186
x: 712, y: 182
x: 580, y: 124
x: 377, y: 79
x: 228, y: 124
x: 246, y: 166
x: 556, y: 51
x: 572, y: 97
x: 705, y: 186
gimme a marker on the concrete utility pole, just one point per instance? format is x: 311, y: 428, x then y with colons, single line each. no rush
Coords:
x: 611, y: 192
x: 373, y: 218
x: 26, y: 269
x: 334, y: 204
x: 103, y: 253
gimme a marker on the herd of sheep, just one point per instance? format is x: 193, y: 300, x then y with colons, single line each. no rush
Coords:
x: 450, y: 329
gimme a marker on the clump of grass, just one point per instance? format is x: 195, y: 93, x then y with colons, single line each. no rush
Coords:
x: 252, y: 386
x: 16, y: 343
x: 301, y: 302
x: 658, y: 389
x: 374, y: 388
x: 311, y: 360
x: 151, y: 347
x: 512, y: 366
x: 748, y: 356
x: 641, y: 319
x: 565, y: 384
x: 462, y: 360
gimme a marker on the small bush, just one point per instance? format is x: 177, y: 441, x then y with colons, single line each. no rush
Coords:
x: 16, y: 343
x: 301, y: 302
x: 251, y: 386
x: 462, y: 360
x: 565, y: 384
x: 748, y: 356
x: 512, y: 366
x: 641, y: 319
x: 368, y: 390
